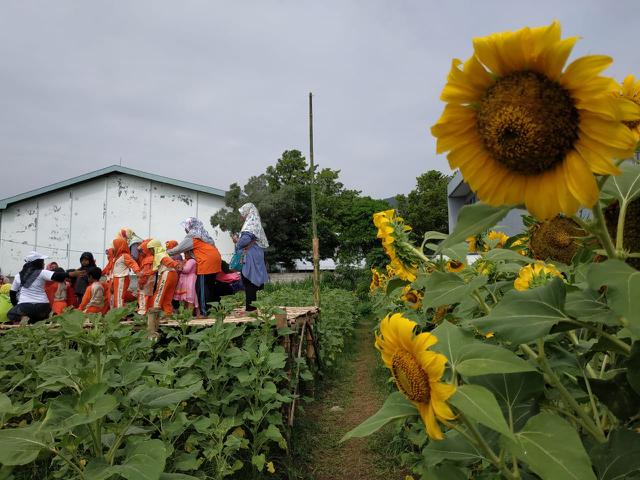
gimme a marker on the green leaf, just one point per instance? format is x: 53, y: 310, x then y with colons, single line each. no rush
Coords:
x: 72, y: 322
x: 446, y: 288
x: 619, y: 457
x: 626, y: 186
x: 479, y: 404
x: 395, y: 283
x: 633, y: 367
x: 451, y: 340
x: 395, y: 407
x: 159, y: 397
x: 5, y: 404
x: 177, y: 476
x: 144, y: 461
x: 522, y: 317
x: 474, y: 219
x: 444, y: 472
x: 623, y: 285
x: 616, y: 393
x: 452, y: 447
x: 457, y: 252
x: 258, y: 461
x: 67, y: 412
x: 552, y: 449
x: 483, y: 359
x: 585, y: 306
x: 505, y: 255
x: 19, y: 446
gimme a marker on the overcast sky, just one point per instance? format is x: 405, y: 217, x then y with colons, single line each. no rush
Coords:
x: 213, y: 91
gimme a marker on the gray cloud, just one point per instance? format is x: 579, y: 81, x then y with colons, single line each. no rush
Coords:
x: 213, y: 92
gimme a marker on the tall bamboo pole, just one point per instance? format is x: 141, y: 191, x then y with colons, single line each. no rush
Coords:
x: 314, y: 226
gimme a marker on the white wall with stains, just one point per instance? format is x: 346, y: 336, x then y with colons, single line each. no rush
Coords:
x: 87, y: 216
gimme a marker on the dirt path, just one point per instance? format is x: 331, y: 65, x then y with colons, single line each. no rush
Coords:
x: 351, y: 399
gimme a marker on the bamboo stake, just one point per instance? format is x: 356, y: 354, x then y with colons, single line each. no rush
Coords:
x: 314, y: 226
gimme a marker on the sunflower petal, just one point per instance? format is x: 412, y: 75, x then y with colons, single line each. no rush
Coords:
x: 599, y: 163
x: 583, y: 69
x: 582, y: 184
x: 428, y: 417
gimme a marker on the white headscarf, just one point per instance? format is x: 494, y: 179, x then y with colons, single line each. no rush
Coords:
x: 195, y: 229
x: 252, y: 224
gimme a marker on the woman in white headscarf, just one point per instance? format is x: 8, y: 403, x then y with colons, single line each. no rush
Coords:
x: 253, y: 241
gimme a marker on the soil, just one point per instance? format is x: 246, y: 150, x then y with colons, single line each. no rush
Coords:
x: 349, y: 401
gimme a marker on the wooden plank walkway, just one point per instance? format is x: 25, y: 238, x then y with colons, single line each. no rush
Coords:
x: 294, y: 315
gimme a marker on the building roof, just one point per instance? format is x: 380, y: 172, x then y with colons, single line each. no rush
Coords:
x: 457, y: 187
x: 106, y: 171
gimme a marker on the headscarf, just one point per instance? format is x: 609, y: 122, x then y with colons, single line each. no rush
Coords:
x: 159, y: 252
x: 252, y: 224
x: 30, y: 271
x: 146, y: 255
x: 129, y: 235
x: 169, y: 244
x: 195, y: 229
x: 88, y: 256
x: 120, y: 247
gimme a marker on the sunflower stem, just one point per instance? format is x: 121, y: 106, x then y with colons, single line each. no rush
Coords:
x: 613, y: 339
x: 484, y: 446
x: 571, y: 402
x: 481, y: 302
x: 600, y: 231
x: 622, y: 215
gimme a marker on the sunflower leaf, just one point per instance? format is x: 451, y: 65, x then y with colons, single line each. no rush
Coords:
x: 474, y: 219
x: 448, y: 288
x: 395, y: 407
x: 522, y: 317
x: 451, y: 340
x: 484, y: 359
x: 619, y: 457
x: 623, y: 283
x: 479, y: 404
x: 626, y: 186
x: 552, y: 449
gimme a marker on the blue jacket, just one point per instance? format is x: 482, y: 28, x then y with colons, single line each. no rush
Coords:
x: 254, y: 267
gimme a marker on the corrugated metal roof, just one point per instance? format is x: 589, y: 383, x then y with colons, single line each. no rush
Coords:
x: 106, y: 171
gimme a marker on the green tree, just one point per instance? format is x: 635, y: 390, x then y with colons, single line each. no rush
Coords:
x: 425, y: 207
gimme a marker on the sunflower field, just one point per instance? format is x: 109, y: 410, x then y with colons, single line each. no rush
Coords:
x: 519, y: 357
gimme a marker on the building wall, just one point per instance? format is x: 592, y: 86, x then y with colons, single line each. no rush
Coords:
x: 87, y: 216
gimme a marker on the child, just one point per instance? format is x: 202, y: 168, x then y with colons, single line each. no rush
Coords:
x: 62, y: 294
x: 167, y: 277
x: 95, y: 299
x: 122, y: 266
x: 186, y: 289
x: 146, y: 279
x: 169, y: 244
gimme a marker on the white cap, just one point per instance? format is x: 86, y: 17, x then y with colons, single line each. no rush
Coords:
x: 32, y: 256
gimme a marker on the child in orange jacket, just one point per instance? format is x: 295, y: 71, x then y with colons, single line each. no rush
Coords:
x: 146, y: 279
x: 96, y: 296
x: 167, y: 277
x: 123, y: 263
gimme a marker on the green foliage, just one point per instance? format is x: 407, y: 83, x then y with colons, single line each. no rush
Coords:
x: 107, y: 402
x: 425, y: 207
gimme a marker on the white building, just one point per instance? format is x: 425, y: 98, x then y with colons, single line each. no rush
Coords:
x: 85, y: 213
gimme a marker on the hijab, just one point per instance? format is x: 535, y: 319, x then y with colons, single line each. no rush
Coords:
x: 159, y: 252
x: 30, y: 271
x: 130, y: 236
x: 87, y: 256
x: 120, y: 247
x: 253, y: 224
x: 195, y: 229
x: 146, y: 255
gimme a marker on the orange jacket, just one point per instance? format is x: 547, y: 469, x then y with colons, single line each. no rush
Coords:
x: 207, y: 257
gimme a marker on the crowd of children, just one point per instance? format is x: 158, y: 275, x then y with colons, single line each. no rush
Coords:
x: 168, y: 275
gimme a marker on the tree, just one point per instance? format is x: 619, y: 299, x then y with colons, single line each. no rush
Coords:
x: 425, y: 207
x: 282, y: 195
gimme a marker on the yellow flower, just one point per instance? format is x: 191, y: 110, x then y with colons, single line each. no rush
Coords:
x: 499, y: 237
x: 522, y: 130
x: 523, y: 243
x: 484, y: 267
x: 403, y: 271
x: 390, y: 271
x: 271, y: 468
x: 416, y: 370
x: 535, y: 275
x: 393, y: 234
x: 630, y: 89
x: 473, y: 244
x: 412, y: 297
x: 454, y: 266
x: 376, y: 280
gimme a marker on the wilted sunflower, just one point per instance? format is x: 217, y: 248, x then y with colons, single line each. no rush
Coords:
x: 535, y: 275
x: 412, y: 297
x: 416, y: 370
x: 377, y: 279
x: 630, y: 89
x: 499, y: 238
x: 631, y: 234
x: 393, y: 234
x: 522, y: 130
x: 454, y: 266
x: 473, y: 244
x: 556, y: 239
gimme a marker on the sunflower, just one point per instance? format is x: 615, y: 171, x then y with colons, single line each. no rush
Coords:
x: 522, y: 130
x: 393, y: 233
x: 521, y: 246
x: 377, y: 280
x: 473, y: 244
x: 416, y: 370
x: 556, y: 239
x: 630, y: 89
x: 484, y: 267
x: 454, y: 266
x: 497, y: 238
x: 535, y: 275
x: 412, y: 297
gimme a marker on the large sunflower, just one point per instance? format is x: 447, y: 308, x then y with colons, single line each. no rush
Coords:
x: 416, y: 370
x: 393, y: 233
x: 522, y: 130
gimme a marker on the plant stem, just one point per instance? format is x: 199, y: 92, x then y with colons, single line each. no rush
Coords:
x: 68, y: 462
x: 485, y: 447
x: 592, y: 400
x: 571, y: 402
x: 620, y: 229
x: 481, y: 302
x: 624, y: 346
x: 600, y: 230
